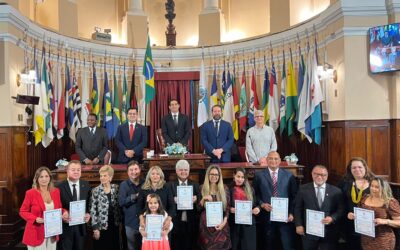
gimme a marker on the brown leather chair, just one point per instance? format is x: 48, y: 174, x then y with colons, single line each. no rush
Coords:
x: 160, y: 139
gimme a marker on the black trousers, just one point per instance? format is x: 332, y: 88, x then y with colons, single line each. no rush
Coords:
x: 72, y: 238
x: 184, y: 235
x: 321, y: 244
x: 109, y: 239
x: 243, y: 237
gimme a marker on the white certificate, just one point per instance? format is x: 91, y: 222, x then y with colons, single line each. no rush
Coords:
x: 184, y: 196
x: 213, y: 213
x: 243, y: 212
x: 154, y: 223
x: 280, y: 207
x: 364, y: 221
x: 77, y: 211
x: 314, y: 225
x: 52, y: 222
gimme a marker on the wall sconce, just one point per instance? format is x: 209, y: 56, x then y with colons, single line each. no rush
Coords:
x: 327, y: 72
x: 26, y: 78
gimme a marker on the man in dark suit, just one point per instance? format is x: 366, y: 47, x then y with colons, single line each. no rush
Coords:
x: 91, y: 142
x: 319, y: 196
x: 186, y: 222
x: 275, y: 182
x: 131, y: 138
x: 176, y: 126
x: 74, y: 189
x: 216, y: 137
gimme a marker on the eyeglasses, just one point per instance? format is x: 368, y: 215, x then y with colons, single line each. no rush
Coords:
x: 320, y: 175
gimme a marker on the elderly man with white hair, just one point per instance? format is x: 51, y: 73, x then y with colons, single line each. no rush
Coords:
x: 186, y: 222
x: 260, y: 139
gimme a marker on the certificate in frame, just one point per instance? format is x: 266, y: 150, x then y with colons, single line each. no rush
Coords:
x: 184, y: 196
x: 77, y: 211
x: 52, y: 222
x: 314, y: 225
x: 364, y: 221
x: 154, y: 223
x: 243, y: 212
x: 280, y: 209
x: 213, y: 213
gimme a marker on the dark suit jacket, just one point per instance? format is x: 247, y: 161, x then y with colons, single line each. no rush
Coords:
x: 91, y: 146
x: 287, y: 188
x: 66, y: 198
x: 192, y: 215
x: 332, y: 206
x: 174, y: 134
x: 210, y: 140
x: 138, y: 142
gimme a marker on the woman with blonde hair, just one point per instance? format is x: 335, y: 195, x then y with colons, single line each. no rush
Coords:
x: 42, y: 196
x: 104, y: 211
x: 213, y: 189
x: 387, y: 215
x: 155, y: 184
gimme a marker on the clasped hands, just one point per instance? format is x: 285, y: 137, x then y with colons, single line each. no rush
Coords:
x: 129, y: 153
x: 218, y: 152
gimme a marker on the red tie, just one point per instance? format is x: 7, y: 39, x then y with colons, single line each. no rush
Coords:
x: 131, y: 131
x: 274, y: 184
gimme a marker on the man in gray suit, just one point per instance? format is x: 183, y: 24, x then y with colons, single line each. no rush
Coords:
x: 91, y: 142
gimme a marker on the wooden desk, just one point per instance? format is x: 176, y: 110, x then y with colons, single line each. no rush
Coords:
x: 196, y: 161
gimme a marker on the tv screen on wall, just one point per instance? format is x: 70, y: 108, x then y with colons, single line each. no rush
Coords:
x: 384, y: 48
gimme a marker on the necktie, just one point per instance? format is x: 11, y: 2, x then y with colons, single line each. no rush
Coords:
x: 74, y: 193
x: 184, y: 213
x: 216, y: 127
x: 131, y: 131
x: 92, y: 131
x: 175, y: 121
x: 319, y: 196
x: 274, y: 184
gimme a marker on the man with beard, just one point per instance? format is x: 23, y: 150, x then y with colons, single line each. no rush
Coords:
x: 217, y: 137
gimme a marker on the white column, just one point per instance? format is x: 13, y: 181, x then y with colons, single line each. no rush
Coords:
x: 210, y: 6
x: 136, y: 7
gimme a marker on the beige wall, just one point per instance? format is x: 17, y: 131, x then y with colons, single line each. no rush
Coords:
x: 47, y: 14
x: 97, y: 13
x: 301, y: 10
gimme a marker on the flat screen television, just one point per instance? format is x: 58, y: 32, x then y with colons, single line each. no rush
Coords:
x: 384, y: 48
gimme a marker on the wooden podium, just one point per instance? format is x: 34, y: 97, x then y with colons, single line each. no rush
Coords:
x: 196, y: 161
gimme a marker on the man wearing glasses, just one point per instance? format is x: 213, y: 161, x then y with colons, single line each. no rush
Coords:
x: 319, y: 196
x: 260, y: 139
x: 131, y: 138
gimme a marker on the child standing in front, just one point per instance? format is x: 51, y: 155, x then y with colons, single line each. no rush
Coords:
x: 154, y: 206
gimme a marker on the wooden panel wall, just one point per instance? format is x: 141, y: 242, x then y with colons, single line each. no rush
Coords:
x: 368, y: 139
x: 395, y: 150
x: 13, y: 179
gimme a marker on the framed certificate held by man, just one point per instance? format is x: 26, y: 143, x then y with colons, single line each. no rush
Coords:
x: 364, y: 221
x: 213, y: 213
x: 52, y: 222
x: 154, y: 223
x: 314, y: 225
x: 184, y: 196
x: 77, y: 211
x: 243, y: 212
x: 280, y: 208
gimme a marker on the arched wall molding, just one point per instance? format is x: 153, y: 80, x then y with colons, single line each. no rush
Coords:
x: 317, y: 24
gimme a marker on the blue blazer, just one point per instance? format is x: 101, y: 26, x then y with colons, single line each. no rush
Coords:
x: 210, y: 140
x: 138, y: 142
x: 287, y: 187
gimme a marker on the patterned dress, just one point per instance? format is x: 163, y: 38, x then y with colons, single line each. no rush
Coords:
x: 384, y: 236
x: 209, y: 237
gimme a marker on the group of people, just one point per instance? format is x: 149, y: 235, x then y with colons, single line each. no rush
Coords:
x: 109, y: 206
x: 216, y: 136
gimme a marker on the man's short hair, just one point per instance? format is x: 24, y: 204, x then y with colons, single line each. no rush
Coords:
x: 73, y: 162
x: 182, y: 164
x: 131, y: 163
x: 132, y: 108
x: 216, y: 105
x: 258, y: 112
x: 320, y: 166
x: 173, y: 99
x: 93, y: 114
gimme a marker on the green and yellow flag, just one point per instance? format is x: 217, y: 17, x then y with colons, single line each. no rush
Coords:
x: 148, y: 72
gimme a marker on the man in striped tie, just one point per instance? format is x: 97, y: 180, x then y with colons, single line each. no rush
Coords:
x: 275, y: 182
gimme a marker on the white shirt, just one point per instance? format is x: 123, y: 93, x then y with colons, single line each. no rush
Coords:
x: 92, y: 129
x: 322, y: 190
x: 175, y: 115
x: 181, y: 182
x: 133, y: 123
x: 70, y: 183
x: 271, y: 173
